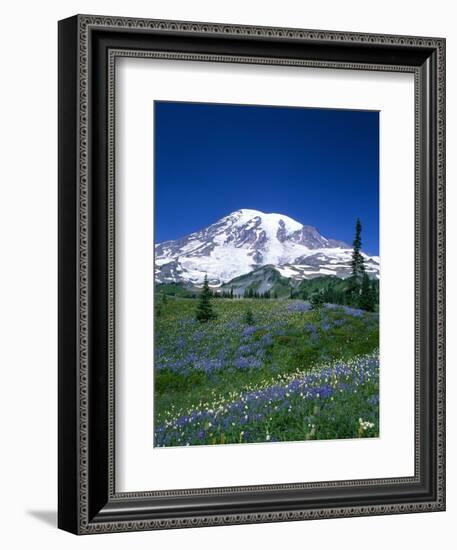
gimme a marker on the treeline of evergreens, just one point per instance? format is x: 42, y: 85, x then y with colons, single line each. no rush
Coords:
x: 247, y: 293
x: 363, y: 294
x: 251, y: 293
x: 356, y: 291
x: 174, y: 289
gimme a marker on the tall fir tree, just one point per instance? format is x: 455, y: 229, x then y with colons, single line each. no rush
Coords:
x: 205, y: 311
x: 358, y: 268
x: 357, y: 263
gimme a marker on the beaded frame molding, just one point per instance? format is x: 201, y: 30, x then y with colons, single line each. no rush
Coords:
x: 88, y: 48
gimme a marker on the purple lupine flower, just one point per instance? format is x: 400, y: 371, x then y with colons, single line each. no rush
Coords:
x: 249, y: 331
x: 299, y: 307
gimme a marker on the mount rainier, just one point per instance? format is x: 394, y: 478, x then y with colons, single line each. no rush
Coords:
x: 247, y: 240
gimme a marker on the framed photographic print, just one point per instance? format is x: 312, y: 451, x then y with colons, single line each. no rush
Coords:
x: 251, y: 274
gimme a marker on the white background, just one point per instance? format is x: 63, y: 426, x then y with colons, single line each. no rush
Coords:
x: 140, y: 466
x: 28, y: 302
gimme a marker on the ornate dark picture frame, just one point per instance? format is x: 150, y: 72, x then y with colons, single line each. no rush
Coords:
x: 88, y: 47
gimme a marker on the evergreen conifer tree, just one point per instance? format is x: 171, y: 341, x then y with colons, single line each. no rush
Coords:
x: 204, y: 308
x: 249, y: 317
x: 368, y: 296
x: 358, y: 268
x: 317, y: 299
x: 357, y: 263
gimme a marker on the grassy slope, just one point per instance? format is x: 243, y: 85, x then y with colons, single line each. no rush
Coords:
x: 198, y: 364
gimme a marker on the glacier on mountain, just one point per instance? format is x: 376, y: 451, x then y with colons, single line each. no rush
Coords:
x: 248, y: 239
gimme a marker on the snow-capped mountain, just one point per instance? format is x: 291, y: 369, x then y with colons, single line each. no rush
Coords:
x: 248, y: 239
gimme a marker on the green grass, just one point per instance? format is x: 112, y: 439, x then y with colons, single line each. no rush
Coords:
x: 215, y: 361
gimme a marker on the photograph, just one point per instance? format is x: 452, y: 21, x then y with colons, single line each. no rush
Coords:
x: 267, y: 274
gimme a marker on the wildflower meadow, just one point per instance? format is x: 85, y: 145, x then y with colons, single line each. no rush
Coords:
x: 264, y: 370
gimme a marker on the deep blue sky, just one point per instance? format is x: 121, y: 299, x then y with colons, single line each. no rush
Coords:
x: 318, y: 166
